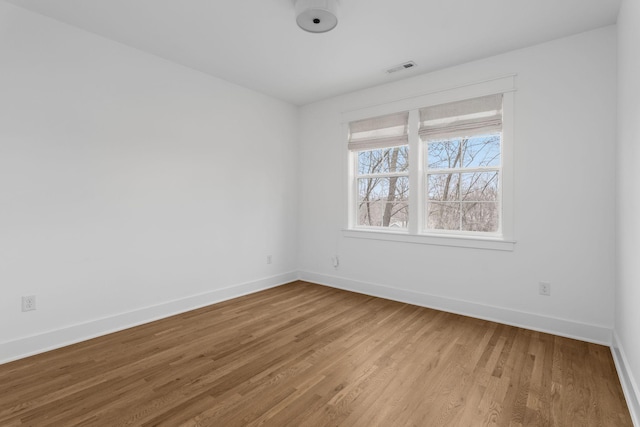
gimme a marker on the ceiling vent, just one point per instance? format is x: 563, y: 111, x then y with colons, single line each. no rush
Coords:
x: 407, y: 65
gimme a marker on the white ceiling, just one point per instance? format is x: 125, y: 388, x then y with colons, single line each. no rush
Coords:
x: 257, y: 44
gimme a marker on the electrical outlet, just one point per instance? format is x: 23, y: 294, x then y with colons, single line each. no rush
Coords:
x: 269, y: 259
x: 29, y: 303
x: 544, y: 288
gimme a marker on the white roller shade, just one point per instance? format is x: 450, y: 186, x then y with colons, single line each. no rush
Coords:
x: 462, y: 118
x: 379, y: 132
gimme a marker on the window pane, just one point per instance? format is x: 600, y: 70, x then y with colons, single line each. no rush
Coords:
x: 479, y: 186
x: 383, y: 214
x: 444, y: 154
x: 443, y: 216
x: 470, y: 152
x: 387, y: 189
x: 385, y: 160
x: 383, y: 202
x: 370, y: 189
x: 482, y: 150
x: 480, y: 216
x: 444, y: 187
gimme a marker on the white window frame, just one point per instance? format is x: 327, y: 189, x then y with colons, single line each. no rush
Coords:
x: 415, y: 233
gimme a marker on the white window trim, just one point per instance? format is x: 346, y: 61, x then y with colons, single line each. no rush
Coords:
x: 506, y: 241
x: 474, y: 242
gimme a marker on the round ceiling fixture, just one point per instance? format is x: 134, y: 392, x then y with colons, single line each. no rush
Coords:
x: 317, y: 16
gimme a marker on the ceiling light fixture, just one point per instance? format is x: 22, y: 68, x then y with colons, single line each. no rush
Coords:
x: 317, y: 16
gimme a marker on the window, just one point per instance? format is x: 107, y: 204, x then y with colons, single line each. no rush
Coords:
x: 381, y: 148
x: 462, y: 142
x: 437, y: 173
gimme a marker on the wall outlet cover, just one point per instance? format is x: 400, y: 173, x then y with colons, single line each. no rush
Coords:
x: 29, y: 303
x: 545, y: 288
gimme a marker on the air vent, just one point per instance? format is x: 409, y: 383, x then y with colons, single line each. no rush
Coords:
x: 401, y: 67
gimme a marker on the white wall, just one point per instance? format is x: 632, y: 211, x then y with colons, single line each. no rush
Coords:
x: 127, y: 181
x: 627, y: 325
x: 565, y: 131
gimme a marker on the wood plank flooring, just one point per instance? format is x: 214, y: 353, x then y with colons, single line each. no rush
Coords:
x: 308, y: 355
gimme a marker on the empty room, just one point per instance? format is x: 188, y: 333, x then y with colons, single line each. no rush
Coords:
x: 319, y: 213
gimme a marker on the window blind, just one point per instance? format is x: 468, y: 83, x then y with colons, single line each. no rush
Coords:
x: 379, y: 132
x: 470, y: 117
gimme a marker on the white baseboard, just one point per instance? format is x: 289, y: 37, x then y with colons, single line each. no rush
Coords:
x: 581, y: 331
x: 629, y: 385
x: 29, y: 346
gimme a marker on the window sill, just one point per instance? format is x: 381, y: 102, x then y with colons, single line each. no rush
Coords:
x: 472, y: 242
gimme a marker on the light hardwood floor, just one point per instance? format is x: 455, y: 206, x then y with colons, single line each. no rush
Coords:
x: 308, y: 355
